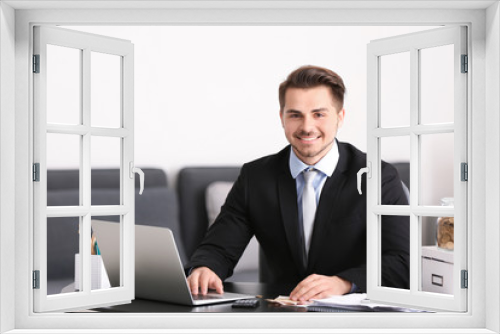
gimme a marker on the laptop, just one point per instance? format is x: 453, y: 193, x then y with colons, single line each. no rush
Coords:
x: 159, y: 274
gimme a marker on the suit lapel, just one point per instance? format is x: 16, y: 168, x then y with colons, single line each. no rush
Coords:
x: 289, y: 211
x: 326, y: 211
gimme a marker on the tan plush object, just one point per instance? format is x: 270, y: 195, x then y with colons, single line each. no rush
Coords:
x: 215, y: 195
x: 446, y: 226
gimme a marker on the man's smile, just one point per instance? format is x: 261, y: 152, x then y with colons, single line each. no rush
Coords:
x: 308, y: 138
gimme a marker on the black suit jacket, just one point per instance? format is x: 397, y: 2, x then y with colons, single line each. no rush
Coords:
x: 263, y: 202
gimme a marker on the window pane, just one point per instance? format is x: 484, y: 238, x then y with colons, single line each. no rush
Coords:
x: 396, y: 151
x: 63, y: 165
x: 105, y: 254
x: 395, y: 90
x: 436, y: 168
x: 437, y: 85
x: 105, y: 90
x: 395, y: 248
x: 63, y: 85
x: 105, y: 162
x: 63, y: 247
x: 437, y: 255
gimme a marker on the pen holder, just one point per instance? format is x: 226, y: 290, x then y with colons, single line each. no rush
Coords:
x: 99, y: 276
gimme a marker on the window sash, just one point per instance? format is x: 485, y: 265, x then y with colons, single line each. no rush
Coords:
x: 413, y: 297
x: 86, y: 297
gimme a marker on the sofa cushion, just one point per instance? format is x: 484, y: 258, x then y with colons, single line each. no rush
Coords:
x: 248, y: 266
x: 215, y: 196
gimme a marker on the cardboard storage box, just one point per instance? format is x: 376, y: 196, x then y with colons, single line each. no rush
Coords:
x: 437, y: 270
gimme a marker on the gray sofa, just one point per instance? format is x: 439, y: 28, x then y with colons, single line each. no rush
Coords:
x: 183, y: 210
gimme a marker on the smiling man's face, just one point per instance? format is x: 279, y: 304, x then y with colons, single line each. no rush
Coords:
x: 311, y: 121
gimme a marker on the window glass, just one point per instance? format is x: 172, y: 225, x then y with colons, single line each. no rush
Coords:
x: 437, y: 254
x: 395, y: 251
x: 436, y: 168
x: 395, y: 90
x: 63, y: 255
x: 105, y: 162
x: 63, y: 155
x: 63, y: 85
x: 106, y: 255
x: 396, y: 151
x: 437, y: 85
x: 105, y: 90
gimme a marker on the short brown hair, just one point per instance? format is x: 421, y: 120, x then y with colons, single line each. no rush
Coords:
x: 310, y: 77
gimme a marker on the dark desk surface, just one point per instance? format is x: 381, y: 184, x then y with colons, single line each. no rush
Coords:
x: 262, y: 289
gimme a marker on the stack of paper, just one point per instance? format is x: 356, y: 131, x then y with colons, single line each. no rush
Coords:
x: 355, y: 302
x: 99, y: 276
x: 358, y: 302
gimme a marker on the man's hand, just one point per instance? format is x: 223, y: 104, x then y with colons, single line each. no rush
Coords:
x: 202, y: 279
x: 319, y: 287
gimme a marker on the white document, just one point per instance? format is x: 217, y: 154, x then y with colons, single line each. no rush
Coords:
x: 358, y: 302
x: 353, y: 302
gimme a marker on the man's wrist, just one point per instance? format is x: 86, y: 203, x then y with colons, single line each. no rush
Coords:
x: 354, y: 288
x: 348, y: 286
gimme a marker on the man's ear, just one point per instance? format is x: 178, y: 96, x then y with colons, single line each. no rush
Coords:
x: 341, y: 116
x: 281, y: 118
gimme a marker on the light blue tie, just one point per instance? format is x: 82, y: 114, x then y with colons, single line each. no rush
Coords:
x: 308, y: 207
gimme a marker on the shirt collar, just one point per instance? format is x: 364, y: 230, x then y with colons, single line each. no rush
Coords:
x: 326, y: 165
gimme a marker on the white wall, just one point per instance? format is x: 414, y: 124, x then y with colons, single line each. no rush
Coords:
x: 207, y: 95
x: 492, y: 159
x: 7, y: 168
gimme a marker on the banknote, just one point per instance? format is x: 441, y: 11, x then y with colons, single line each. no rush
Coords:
x: 286, y: 301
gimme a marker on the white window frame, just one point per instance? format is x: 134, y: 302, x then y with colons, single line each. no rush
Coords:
x: 413, y: 44
x: 482, y: 316
x: 86, y: 43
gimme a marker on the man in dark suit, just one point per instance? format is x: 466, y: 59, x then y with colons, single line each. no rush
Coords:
x: 313, y: 234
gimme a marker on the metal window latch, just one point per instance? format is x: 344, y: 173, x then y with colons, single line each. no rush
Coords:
x: 368, y: 171
x: 139, y: 171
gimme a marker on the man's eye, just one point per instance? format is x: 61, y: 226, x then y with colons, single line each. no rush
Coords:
x: 319, y: 115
